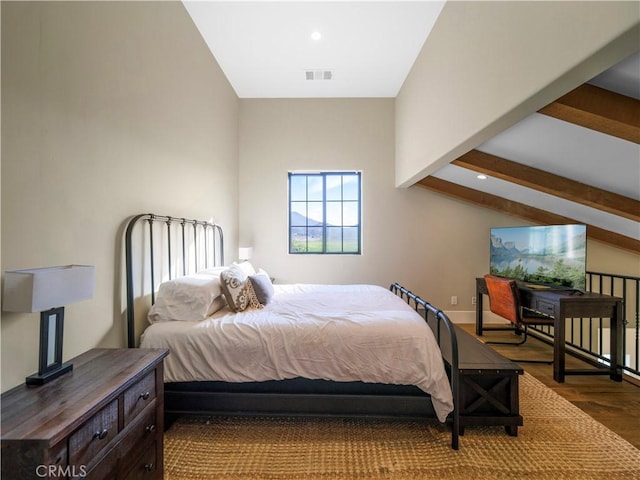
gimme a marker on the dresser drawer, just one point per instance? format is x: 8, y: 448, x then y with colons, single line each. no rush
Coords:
x: 59, y: 457
x: 137, y: 397
x: 55, y: 467
x: 106, y: 469
x: 145, y: 465
x: 94, y: 435
x: 139, y: 433
x: 131, y: 450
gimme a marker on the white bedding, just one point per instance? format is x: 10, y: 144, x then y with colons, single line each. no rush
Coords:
x: 331, y: 332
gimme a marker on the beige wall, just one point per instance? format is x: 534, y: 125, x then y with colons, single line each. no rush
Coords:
x: 106, y: 114
x: 433, y: 245
x: 535, y: 51
x: 108, y: 110
x: 606, y: 259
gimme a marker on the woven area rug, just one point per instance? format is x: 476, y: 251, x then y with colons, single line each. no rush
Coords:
x: 558, y: 441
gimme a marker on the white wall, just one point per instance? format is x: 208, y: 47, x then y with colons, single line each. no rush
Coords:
x: 109, y: 109
x: 535, y: 51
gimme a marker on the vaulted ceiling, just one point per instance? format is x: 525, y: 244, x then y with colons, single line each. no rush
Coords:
x: 577, y: 160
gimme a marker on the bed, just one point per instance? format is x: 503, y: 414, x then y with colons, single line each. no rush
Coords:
x: 346, y: 350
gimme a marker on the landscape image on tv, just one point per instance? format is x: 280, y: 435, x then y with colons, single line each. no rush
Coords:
x: 551, y: 254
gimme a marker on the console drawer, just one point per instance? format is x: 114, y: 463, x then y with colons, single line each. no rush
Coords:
x: 138, y: 396
x: 94, y: 435
x: 544, y: 307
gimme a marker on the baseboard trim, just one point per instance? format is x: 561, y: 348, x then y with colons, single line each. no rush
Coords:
x: 469, y: 316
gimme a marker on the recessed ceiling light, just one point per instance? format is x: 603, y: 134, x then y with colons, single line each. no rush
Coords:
x: 316, y: 36
x: 482, y: 177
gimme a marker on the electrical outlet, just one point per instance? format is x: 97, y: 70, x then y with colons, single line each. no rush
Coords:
x: 473, y: 300
x: 454, y: 300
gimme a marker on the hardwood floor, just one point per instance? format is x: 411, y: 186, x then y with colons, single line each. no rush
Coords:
x: 614, y: 404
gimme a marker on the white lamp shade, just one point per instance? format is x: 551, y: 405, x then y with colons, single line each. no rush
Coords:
x: 40, y: 289
x: 244, y: 253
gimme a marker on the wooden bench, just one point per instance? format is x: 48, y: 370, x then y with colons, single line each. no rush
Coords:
x: 488, y: 384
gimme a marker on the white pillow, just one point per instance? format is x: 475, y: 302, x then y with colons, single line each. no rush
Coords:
x: 214, y: 271
x: 246, y: 267
x: 191, y: 298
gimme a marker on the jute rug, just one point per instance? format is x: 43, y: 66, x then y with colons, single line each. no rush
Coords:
x: 558, y: 441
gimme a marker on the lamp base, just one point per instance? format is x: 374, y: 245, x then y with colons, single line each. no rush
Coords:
x: 46, y: 377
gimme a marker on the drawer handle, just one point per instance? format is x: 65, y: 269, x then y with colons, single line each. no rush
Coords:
x: 148, y: 467
x: 151, y: 428
x: 102, y: 434
x: 145, y: 395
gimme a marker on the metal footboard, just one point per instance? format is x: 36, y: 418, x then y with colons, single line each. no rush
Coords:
x: 448, y: 342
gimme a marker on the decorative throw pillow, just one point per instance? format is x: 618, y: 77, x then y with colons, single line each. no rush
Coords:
x: 237, y: 290
x: 253, y: 299
x: 262, y: 286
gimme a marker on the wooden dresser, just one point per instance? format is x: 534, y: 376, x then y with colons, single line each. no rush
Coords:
x: 104, y: 420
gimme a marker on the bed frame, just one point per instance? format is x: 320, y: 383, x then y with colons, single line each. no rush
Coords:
x: 150, y: 247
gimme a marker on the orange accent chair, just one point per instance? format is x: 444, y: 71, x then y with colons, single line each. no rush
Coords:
x: 504, y: 300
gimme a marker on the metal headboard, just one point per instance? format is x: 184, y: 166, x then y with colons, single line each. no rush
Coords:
x: 202, y: 247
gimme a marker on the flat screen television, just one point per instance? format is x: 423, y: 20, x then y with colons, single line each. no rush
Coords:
x: 552, y: 255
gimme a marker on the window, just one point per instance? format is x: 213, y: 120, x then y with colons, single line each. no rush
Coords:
x: 324, y: 212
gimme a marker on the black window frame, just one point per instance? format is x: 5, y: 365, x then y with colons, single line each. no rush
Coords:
x: 324, y: 227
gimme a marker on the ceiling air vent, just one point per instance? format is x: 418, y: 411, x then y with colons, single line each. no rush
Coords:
x: 318, y: 74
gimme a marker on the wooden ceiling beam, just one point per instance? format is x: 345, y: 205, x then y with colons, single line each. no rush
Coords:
x: 599, y: 109
x: 526, y: 212
x: 546, y: 182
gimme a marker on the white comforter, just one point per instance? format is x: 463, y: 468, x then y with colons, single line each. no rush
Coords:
x: 341, y: 333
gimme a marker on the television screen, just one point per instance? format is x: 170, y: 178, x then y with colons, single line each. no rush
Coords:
x: 550, y: 254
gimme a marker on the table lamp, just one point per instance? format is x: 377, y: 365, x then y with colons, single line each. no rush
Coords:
x: 244, y: 253
x: 48, y: 290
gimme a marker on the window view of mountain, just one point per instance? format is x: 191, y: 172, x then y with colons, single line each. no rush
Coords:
x: 306, y: 235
